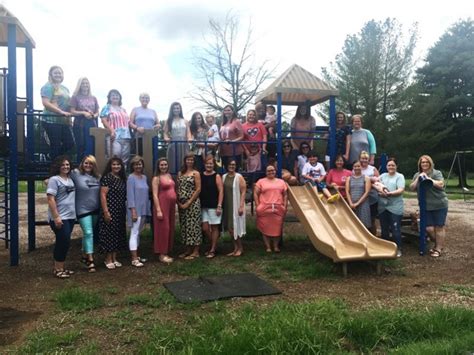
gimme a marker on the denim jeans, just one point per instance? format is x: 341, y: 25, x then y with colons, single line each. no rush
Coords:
x: 84, y: 142
x: 63, y: 239
x: 61, y: 139
x: 391, y: 223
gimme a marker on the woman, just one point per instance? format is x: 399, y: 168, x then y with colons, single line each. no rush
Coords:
x: 390, y: 206
x: 57, y: 118
x: 302, y: 159
x: 138, y: 203
x: 303, y: 126
x: 436, y: 202
x: 113, y: 201
x: 85, y: 108
x: 189, y: 188
x: 254, y: 132
x: 343, y: 136
x: 289, y: 164
x: 357, y: 189
x: 234, y: 206
x: 211, y: 196
x: 337, y: 177
x: 115, y: 119
x: 199, y: 131
x: 361, y: 140
x: 142, y: 118
x: 87, y: 181
x: 164, y: 211
x: 373, y: 174
x: 61, y: 212
x: 176, y: 129
x: 231, y: 132
x: 271, y: 203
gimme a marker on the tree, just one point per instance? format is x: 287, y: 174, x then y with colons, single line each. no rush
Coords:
x: 372, y: 73
x: 440, y: 118
x: 226, y: 69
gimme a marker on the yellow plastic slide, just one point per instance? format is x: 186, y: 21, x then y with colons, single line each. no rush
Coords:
x: 335, y: 230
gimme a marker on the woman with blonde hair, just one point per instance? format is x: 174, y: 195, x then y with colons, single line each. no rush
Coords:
x: 57, y: 118
x: 436, y: 202
x: 138, y: 206
x: 87, y: 181
x: 85, y: 108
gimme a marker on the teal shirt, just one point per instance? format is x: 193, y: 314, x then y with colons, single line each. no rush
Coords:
x: 393, y: 204
x: 59, y: 96
x: 436, y: 199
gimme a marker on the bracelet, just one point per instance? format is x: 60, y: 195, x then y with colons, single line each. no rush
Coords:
x: 219, y: 206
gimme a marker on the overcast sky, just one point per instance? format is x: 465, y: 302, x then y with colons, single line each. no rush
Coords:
x: 145, y: 45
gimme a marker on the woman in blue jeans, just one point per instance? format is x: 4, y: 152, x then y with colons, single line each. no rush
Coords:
x: 87, y: 181
x: 61, y: 212
x: 391, y: 187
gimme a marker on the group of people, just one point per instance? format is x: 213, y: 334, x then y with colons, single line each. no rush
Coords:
x: 104, y: 205
x: 187, y: 177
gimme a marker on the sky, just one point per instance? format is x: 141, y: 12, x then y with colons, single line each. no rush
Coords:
x: 147, y: 45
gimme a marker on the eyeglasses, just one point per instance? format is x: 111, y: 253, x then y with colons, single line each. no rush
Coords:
x: 286, y: 146
x: 304, y: 147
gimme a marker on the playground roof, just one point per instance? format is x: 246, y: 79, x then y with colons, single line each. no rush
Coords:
x: 22, y: 35
x: 297, y: 86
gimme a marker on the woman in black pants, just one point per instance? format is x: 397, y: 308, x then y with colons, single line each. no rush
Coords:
x: 61, y: 211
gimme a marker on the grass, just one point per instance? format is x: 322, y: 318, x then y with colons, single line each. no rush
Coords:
x: 462, y: 290
x: 316, y: 327
x: 50, y: 342
x: 78, y: 300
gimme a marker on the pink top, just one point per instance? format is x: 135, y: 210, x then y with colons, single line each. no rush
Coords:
x: 231, y: 130
x: 338, y: 177
x: 271, y: 191
x: 254, y: 132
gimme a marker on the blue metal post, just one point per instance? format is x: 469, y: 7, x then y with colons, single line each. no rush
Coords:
x: 279, y: 137
x: 423, y: 185
x: 13, y: 145
x: 30, y: 144
x: 332, y: 130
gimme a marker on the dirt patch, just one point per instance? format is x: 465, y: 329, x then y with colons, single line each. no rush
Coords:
x: 12, y: 322
x: 27, y: 291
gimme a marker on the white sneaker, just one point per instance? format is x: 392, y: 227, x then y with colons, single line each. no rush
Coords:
x: 399, y: 253
x: 117, y: 264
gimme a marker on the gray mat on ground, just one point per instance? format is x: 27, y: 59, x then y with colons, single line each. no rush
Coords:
x: 211, y: 288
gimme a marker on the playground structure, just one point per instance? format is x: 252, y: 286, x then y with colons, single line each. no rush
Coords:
x: 332, y: 229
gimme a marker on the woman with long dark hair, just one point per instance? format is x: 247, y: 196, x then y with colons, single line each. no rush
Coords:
x: 164, y: 211
x: 61, y: 211
x: 176, y: 129
x: 199, y: 130
x: 189, y: 188
x: 231, y: 132
x: 112, y: 223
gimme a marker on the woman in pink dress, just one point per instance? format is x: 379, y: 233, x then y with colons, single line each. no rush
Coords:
x: 164, y: 210
x: 271, y: 201
x: 336, y: 178
x: 230, y: 133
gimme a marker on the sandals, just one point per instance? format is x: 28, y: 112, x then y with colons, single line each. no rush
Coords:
x: 166, y: 260
x: 137, y: 263
x: 435, y: 253
x: 61, y: 274
x: 90, y: 266
x: 191, y: 257
x: 109, y: 266
x: 211, y: 254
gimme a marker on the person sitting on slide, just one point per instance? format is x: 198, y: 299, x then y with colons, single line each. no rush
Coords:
x: 315, y: 173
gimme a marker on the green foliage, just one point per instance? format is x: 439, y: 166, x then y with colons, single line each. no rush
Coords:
x: 439, y: 119
x: 51, y: 342
x: 372, y: 73
x: 78, y: 300
x: 316, y: 327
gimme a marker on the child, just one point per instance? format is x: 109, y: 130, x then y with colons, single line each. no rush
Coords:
x: 315, y: 173
x: 254, y: 161
x: 270, y: 120
x: 212, y: 134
